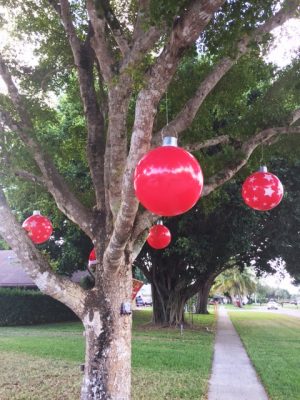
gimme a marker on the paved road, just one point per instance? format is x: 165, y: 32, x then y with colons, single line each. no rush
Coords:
x: 284, y: 311
x: 233, y: 376
x: 292, y: 313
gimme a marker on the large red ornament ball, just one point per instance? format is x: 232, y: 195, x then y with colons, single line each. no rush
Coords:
x: 92, y: 257
x: 168, y: 181
x: 262, y: 190
x: 39, y: 228
x: 159, y: 237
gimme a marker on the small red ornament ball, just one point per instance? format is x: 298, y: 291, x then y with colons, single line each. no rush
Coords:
x: 92, y: 257
x: 159, y: 237
x: 39, y: 228
x: 262, y: 191
x: 168, y: 181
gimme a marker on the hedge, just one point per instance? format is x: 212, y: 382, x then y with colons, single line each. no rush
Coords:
x: 28, y: 307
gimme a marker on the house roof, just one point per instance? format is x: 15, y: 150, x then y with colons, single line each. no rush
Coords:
x: 13, y: 275
x: 11, y: 272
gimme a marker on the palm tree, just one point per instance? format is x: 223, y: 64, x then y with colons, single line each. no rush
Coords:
x: 235, y: 282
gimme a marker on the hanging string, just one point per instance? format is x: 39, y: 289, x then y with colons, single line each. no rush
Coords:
x: 262, y: 155
x: 167, y: 119
x: 167, y: 110
x: 35, y: 194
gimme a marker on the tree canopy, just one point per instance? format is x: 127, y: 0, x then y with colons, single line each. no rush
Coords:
x: 125, y: 57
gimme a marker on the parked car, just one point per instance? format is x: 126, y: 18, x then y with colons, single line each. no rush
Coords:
x: 139, y: 301
x: 272, y: 305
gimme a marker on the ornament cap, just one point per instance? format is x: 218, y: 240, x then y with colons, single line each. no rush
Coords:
x: 170, y: 141
x: 263, y: 168
x: 159, y: 222
x: 36, y: 212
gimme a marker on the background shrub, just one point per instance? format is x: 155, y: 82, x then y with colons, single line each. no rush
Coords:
x: 28, y: 307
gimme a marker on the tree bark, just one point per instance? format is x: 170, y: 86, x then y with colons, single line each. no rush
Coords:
x: 202, y: 299
x: 108, y: 340
x: 159, y: 315
x: 168, y: 309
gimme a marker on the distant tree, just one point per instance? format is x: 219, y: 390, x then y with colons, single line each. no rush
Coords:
x: 282, y: 295
x: 235, y: 282
x: 204, y: 242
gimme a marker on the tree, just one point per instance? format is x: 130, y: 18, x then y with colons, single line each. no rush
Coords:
x: 204, y: 242
x: 125, y: 56
x: 235, y: 282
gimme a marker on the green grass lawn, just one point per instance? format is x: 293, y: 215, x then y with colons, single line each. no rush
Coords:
x: 273, y: 344
x: 42, y: 362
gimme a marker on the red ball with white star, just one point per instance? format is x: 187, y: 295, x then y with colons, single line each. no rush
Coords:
x: 262, y: 191
x: 39, y: 228
x: 92, y: 257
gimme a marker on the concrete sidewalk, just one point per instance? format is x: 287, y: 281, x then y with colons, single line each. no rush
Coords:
x: 233, y: 376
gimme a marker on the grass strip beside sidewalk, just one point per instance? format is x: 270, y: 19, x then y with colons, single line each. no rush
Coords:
x: 272, y: 342
x: 42, y: 362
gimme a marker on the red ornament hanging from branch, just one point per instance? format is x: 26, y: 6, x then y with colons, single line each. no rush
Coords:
x: 168, y: 180
x: 262, y: 190
x: 92, y: 258
x: 39, y: 228
x: 159, y: 236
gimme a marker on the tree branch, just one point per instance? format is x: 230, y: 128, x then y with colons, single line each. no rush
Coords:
x: 37, y: 267
x: 65, y: 199
x: 186, y: 116
x: 118, y: 101
x: 144, y: 36
x: 247, y: 149
x: 28, y: 176
x: 84, y: 61
x: 208, y: 143
x: 295, y: 116
x: 185, y: 31
x: 99, y: 43
x: 104, y: 10
x: 141, y: 19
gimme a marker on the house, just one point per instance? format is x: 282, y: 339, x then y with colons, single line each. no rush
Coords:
x: 11, y: 272
x: 12, y: 275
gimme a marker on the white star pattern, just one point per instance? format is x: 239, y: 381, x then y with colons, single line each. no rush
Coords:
x: 39, y: 228
x: 255, y: 198
x: 254, y: 188
x: 247, y: 199
x: 268, y: 177
x: 273, y: 205
x: 269, y: 191
x: 251, y: 180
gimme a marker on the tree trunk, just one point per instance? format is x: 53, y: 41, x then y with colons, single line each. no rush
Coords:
x: 167, y: 309
x: 108, y: 341
x: 176, y: 310
x: 159, y: 315
x: 202, y: 298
